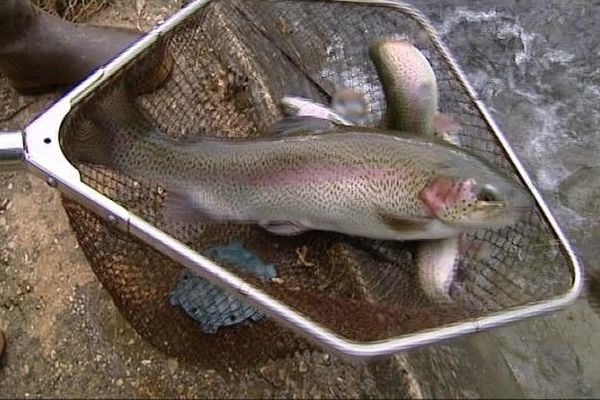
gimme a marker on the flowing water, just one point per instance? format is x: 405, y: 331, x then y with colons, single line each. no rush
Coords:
x: 535, y: 64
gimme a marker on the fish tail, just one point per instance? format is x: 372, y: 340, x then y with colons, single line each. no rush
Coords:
x: 119, y: 106
x: 114, y: 114
x: 89, y: 144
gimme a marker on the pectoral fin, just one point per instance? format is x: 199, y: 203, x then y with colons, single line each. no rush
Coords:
x: 291, y: 126
x: 185, y: 204
x: 283, y: 228
x: 404, y: 224
x: 91, y: 144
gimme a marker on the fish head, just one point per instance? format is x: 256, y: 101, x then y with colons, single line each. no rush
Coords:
x: 473, y: 203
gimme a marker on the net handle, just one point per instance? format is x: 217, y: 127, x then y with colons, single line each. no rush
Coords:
x: 12, y: 151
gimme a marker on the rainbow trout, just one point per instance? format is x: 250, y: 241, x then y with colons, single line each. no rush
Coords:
x: 365, y: 182
x: 410, y: 89
x: 436, y: 259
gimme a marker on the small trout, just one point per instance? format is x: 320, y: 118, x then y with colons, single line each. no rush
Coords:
x: 410, y: 89
x: 411, y: 93
x: 365, y: 182
x: 437, y: 264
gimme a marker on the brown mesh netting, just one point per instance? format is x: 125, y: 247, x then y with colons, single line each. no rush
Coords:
x: 73, y: 10
x: 232, y: 62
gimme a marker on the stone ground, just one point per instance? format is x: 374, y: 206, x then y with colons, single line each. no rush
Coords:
x: 534, y: 64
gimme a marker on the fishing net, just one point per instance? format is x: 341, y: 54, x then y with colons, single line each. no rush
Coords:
x: 72, y: 10
x: 232, y: 61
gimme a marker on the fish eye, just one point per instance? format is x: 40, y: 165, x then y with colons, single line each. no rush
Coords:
x: 488, y: 193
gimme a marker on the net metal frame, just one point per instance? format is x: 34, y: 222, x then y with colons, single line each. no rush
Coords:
x: 45, y: 156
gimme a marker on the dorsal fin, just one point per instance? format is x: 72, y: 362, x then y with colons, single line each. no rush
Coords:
x: 292, y: 126
x: 404, y: 224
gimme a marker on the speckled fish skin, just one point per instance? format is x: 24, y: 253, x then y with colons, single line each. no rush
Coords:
x: 409, y: 85
x: 411, y: 92
x: 437, y: 262
x: 357, y: 181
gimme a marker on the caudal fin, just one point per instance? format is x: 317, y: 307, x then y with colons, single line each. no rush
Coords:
x: 113, y: 115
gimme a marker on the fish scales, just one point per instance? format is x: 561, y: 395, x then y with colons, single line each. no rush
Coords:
x: 324, y: 178
x: 360, y: 181
x: 409, y: 84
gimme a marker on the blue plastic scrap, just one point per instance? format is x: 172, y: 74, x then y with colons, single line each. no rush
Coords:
x: 212, y: 307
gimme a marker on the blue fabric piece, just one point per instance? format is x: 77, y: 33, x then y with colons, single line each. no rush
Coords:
x: 211, y: 306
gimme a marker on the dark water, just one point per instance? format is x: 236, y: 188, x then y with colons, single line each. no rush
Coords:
x: 535, y: 64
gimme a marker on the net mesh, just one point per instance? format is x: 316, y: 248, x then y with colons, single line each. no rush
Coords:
x: 231, y: 63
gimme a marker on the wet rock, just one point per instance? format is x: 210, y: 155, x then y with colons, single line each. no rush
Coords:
x: 558, y: 362
x: 581, y: 191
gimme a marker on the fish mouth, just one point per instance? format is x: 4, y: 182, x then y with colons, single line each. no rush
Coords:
x: 500, y: 205
x: 498, y: 214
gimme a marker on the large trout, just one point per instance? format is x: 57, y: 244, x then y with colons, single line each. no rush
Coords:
x: 358, y: 181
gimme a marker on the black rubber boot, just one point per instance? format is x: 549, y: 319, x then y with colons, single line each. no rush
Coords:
x: 40, y: 52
